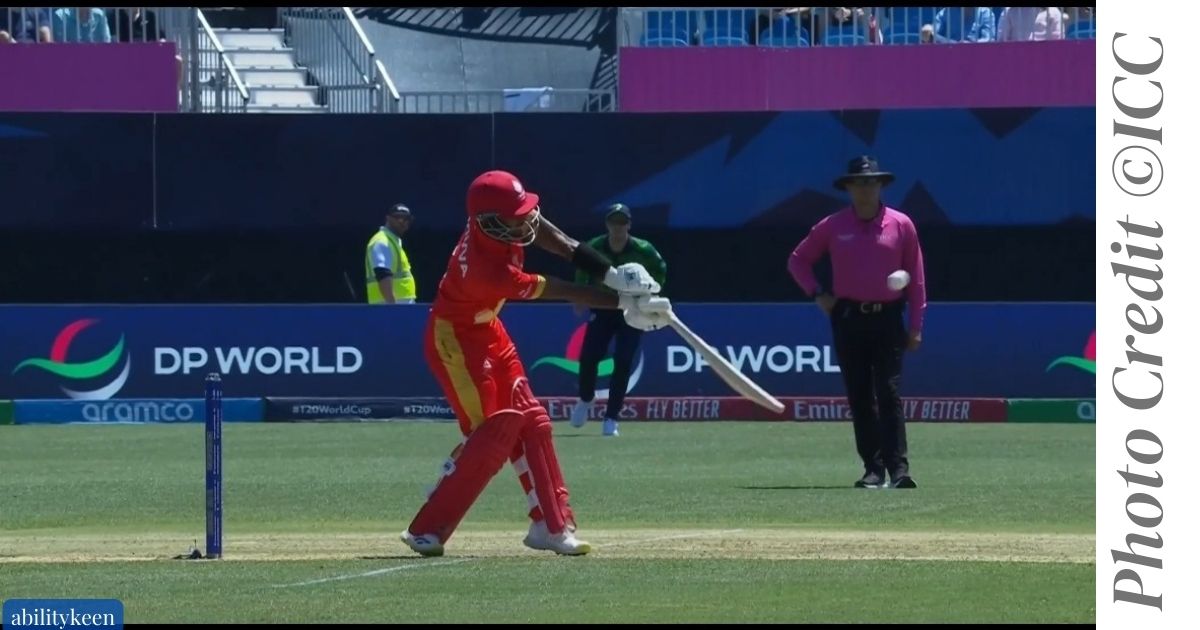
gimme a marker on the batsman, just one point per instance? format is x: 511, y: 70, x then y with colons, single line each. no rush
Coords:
x: 476, y: 363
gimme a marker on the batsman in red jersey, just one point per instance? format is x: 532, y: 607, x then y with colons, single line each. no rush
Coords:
x: 476, y: 363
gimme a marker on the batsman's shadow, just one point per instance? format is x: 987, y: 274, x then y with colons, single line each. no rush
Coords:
x: 795, y: 488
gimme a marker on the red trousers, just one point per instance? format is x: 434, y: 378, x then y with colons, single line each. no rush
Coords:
x: 500, y: 419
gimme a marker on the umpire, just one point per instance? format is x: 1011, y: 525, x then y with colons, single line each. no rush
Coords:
x: 866, y: 243
x: 604, y: 324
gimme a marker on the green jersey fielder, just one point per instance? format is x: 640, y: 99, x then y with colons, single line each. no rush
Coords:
x: 603, y: 325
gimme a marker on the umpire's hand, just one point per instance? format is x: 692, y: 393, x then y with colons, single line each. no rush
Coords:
x: 914, y: 341
x: 826, y: 302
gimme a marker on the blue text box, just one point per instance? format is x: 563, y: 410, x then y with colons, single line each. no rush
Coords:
x: 63, y: 613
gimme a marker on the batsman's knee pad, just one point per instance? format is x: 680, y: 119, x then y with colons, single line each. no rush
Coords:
x: 523, y: 400
x: 537, y: 419
x: 488, y: 447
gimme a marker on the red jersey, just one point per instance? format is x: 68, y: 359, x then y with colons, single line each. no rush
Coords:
x: 482, y: 274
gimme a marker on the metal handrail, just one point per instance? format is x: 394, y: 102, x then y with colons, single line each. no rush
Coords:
x: 349, y: 72
x: 488, y: 101
x: 392, y: 92
x: 380, y: 77
x: 229, y: 70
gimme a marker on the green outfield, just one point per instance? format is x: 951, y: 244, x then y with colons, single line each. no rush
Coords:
x: 733, y: 522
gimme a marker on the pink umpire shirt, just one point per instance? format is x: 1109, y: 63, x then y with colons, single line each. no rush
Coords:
x: 864, y: 253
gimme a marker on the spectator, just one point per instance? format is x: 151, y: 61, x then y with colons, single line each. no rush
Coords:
x: 135, y: 25
x: 964, y: 24
x: 800, y: 16
x: 25, y: 24
x: 927, y: 35
x: 1079, y: 15
x: 1031, y: 24
x: 839, y: 17
x: 868, y: 22
x: 81, y: 24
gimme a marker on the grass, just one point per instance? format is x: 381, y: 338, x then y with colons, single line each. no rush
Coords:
x: 1001, y: 528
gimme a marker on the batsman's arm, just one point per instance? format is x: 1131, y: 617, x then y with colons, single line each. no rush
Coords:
x: 633, y: 280
x: 594, y: 297
x: 554, y: 240
x: 585, y: 257
x: 581, y: 276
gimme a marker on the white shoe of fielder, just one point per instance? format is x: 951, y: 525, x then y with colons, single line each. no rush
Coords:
x: 427, y: 545
x: 579, y: 413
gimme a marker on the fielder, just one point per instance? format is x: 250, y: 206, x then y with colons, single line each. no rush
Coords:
x: 476, y: 363
x: 618, y: 246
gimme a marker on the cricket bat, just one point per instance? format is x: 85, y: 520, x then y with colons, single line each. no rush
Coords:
x: 735, y: 379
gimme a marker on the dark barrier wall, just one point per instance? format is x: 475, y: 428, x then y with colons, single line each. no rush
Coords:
x: 139, y: 208
x: 99, y: 352
x: 963, y: 167
x: 326, y: 265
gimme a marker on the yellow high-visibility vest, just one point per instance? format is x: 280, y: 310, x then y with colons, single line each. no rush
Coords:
x: 404, y: 287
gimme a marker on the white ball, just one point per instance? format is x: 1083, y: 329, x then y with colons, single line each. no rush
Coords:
x: 898, y: 280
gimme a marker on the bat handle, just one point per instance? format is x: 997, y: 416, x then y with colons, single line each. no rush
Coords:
x: 676, y: 323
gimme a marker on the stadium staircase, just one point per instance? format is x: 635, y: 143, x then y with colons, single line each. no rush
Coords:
x: 268, y: 68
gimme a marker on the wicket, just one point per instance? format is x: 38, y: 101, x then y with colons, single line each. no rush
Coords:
x: 212, y: 476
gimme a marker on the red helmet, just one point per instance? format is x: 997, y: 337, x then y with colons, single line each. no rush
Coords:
x: 498, y: 196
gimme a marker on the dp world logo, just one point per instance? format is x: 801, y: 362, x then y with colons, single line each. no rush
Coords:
x: 570, y: 362
x: 1086, y: 363
x: 103, y: 367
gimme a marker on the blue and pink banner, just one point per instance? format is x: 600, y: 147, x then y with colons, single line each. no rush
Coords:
x: 726, y: 79
x: 96, y: 353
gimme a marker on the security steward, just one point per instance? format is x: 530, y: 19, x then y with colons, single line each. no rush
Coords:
x: 388, y: 273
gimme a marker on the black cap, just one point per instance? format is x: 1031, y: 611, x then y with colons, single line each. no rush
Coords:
x: 618, y: 208
x: 399, y: 210
x: 863, y: 167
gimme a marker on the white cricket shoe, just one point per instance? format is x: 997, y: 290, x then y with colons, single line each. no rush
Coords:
x: 579, y: 413
x: 566, y: 544
x: 427, y: 545
x: 540, y: 539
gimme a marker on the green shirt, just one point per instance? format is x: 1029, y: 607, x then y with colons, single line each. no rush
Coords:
x: 636, y: 251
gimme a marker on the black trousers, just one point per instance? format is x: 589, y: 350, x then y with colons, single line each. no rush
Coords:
x: 603, y: 326
x: 870, y: 341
